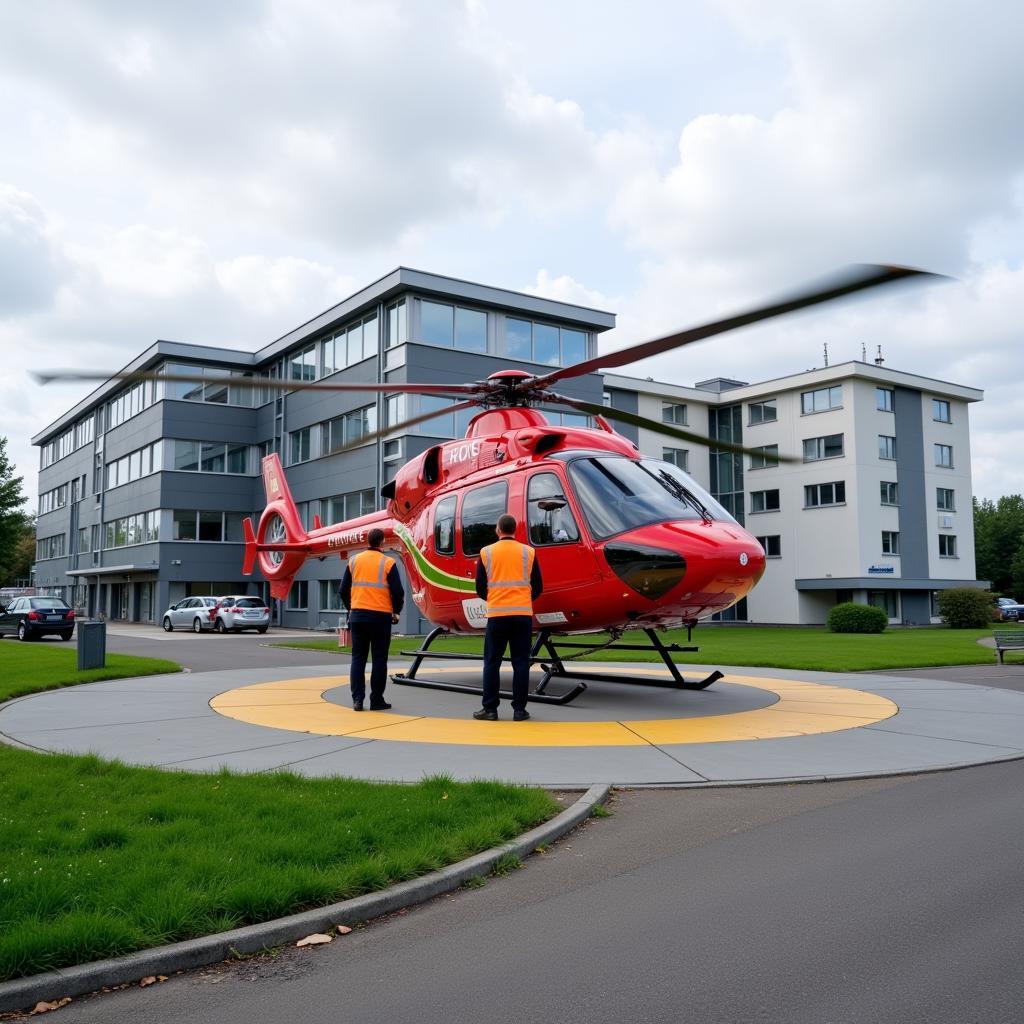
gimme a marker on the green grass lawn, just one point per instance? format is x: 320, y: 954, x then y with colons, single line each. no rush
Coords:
x: 98, y: 859
x: 775, y: 647
x: 31, y: 667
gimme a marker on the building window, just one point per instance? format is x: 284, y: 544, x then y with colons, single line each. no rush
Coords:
x: 143, y: 528
x: 822, y: 399
x: 833, y: 493
x: 772, y: 545
x: 890, y: 542
x: 544, y: 343
x: 765, y: 457
x: 884, y: 399
x: 828, y: 447
x: 944, y: 455
x: 446, y: 423
x: 940, y: 411
x: 348, y: 346
x: 453, y: 326
x: 674, y: 413
x: 330, y: 596
x: 890, y: 493
x: 298, y: 446
x: 83, y: 539
x: 347, y: 430
x: 678, y: 457
x: 947, y: 545
x: 298, y: 596
x: 398, y: 325
x: 301, y: 365
x: 341, y: 507
x: 886, y: 447
x: 764, y: 501
x: 887, y: 600
x: 945, y: 499
x: 50, y: 547
x: 762, y: 412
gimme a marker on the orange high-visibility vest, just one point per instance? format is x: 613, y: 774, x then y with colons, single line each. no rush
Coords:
x: 370, y: 590
x: 508, y: 565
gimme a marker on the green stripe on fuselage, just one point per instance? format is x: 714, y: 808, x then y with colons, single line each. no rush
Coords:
x: 431, y: 573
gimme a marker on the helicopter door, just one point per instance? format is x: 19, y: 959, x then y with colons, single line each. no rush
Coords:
x: 567, y: 560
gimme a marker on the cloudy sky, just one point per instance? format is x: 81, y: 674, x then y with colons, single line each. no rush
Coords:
x: 219, y: 172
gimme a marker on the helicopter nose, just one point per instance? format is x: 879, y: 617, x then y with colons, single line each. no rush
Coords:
x: 650, y: 571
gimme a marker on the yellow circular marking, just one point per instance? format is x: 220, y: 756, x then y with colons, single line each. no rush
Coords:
x: 803, y: 709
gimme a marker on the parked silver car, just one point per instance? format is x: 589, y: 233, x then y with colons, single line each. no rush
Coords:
x: 240, y: 612
x: 195, y: 613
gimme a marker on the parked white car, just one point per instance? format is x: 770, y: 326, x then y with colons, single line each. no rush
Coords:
x: 240, y: 612
x: 195, y: 613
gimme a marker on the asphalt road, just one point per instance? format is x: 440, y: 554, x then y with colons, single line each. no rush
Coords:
x: 896, y: 900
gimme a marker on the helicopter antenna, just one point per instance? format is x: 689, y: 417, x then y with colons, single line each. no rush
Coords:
x: 878, y: 359
x: 863, y: 352
x: 826, y: 353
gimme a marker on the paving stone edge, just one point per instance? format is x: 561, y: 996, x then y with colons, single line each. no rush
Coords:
x: 23, y: 993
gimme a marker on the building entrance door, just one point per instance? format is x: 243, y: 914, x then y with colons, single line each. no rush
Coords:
x: 145, y: 602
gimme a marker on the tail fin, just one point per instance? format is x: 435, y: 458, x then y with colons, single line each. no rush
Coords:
x: 274, y: 481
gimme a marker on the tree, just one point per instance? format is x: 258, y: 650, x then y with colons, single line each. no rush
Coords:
x: 24, y: 557
x: 12, y: 516
x: 998, y: 534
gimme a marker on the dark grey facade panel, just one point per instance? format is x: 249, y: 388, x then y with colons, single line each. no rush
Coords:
x: 913, y: 511
x: 627, y: 401
x: 205, y: 421
x: 304, y: 408
x: 207, y: 491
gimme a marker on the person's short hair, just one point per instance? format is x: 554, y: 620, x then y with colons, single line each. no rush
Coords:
x: 506, y: 524
x: 375, y: 537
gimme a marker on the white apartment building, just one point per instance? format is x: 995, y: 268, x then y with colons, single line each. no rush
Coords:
x: 876, y: 509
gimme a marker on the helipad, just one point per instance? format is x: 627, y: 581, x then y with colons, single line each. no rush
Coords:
x: 751, y: 726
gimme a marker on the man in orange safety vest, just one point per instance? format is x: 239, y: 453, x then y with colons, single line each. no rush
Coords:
x: 508, y: 579
x: 372, y: 591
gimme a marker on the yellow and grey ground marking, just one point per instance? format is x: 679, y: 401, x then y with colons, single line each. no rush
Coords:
x: 802, y: 709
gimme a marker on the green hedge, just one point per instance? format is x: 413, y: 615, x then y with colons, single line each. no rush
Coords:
x: 965, y: 608
x: 851, y: 617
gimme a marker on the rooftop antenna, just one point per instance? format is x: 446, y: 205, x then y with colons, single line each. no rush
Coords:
x: 863, y: 352
x: 878, y: 359
x: 826, y: 353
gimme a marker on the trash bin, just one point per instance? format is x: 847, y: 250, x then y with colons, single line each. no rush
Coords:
x: 344, y: 632
x: 92, y: 644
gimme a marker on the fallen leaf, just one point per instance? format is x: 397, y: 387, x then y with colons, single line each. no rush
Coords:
x: 343, y: 929
x: 47, y: 1007
x: 151, y: 980
x: 445, y: 797
x: 318, y: 939
x: 161, y: 977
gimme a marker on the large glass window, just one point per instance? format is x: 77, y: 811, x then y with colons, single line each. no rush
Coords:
x: 763, y: 412
x: 828, y: 447
x: 887, y: 600
x: 212, y: 457
x: 574, y: 347
x: 825, y: 494
x: 398, y: 329
x: 550, y: 518
x: 437, y: 323
x: 184, y: 527
x: 673, y: 412
x: 765, y: 457
x: 764, y: 501
x: 822, y: 399
x: 480, y: 511
x: 945, y: 499
x: 544, y: 343
x: 330, y: 596
x: 298, y: 596
x: 444, y: 526
x: 298, y: 446
x: 772, y: 545
x: 518, y: 339
x: 211, y: 526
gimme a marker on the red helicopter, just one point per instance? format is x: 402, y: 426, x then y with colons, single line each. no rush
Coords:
x: 625, y: 542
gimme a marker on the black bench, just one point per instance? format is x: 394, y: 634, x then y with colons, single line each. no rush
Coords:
x: 1007, y: 641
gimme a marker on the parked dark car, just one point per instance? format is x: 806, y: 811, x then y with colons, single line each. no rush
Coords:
x: 31, y: 617
x: 1009, y: 610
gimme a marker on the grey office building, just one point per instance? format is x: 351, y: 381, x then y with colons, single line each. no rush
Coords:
x: 143, y: 487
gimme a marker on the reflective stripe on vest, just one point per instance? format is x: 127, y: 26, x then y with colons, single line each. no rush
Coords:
x: 508, y: 565
x: 370, y: 590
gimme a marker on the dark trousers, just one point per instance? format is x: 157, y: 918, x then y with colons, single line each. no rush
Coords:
x: 369, y: 638
x: 512, y: 631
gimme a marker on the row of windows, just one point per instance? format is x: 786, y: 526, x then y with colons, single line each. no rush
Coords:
x: 143, y: 528
x: 70, y: 441
x: 50, y: 547
x: 130, y: 402
x: 885, y: 400
x: 197, y: 525
x: 356, y: 342
x: 768, y: 500
x: 341, y: 507
x: 772, y: 544
x: 331, y: 435
x: 54, y: 499
x: 135, y: 465
x: 211, y: 457
x: 216, y: 391
x: 543, y: 343
x: 831, y: 446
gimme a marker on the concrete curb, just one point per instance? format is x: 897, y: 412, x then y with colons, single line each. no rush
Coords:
x: 179, y: 956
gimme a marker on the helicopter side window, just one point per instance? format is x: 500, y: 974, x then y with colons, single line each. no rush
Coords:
x: 550, y: 518
x: 444, y: 526
x: 480, y: 511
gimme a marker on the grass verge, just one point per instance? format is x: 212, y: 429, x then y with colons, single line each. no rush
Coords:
x: 31, y: 667
x: 774, y: 647
x: 99, y: 859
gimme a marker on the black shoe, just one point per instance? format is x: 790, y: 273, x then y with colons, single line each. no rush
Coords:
x: 381, y: 706
x: 357, y: 705
x: 485, y: 715
x: 520, y: 716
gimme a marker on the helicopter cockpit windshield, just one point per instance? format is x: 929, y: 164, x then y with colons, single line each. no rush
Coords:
x: 618, y: 494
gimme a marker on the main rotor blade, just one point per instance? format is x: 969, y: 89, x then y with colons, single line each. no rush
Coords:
x: 404, y: 425
x: 270, y: 383
x: 666, y: 429
x: 853, y: 279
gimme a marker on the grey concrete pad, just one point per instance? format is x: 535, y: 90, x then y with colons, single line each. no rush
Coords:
x: 268, y: 758
x: 996, y: 727
x: 865, y: 751
x: 542, y: 766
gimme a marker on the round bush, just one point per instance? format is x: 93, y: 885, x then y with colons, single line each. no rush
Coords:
x: 857, y: 618
x: 965, y: 608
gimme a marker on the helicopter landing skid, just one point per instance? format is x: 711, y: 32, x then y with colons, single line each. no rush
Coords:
x: 555, y: 668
